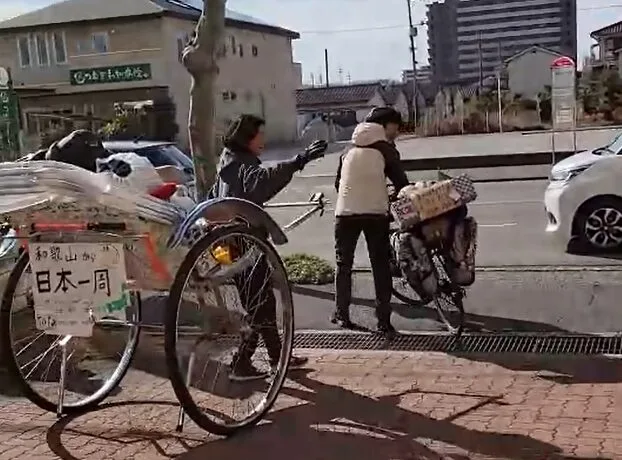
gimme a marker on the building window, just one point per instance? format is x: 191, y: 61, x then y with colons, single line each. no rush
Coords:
x: 100, y: 42
x: 233, y: 47
x: 43, y: 58
x: 241, y: 50
x: 255, y: 51
x: 60, y: 48
x: 23, y: 45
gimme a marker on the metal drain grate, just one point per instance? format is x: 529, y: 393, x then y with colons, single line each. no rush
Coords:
x: 468, y: 343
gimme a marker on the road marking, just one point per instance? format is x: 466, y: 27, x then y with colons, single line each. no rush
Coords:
x: 507, y: 224
x: 497, y: 203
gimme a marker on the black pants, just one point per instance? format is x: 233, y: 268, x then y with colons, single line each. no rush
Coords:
x: 257, y: 298
x: 376, y: 231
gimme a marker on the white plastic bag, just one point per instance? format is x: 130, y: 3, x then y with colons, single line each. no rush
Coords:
x: 143, y: 176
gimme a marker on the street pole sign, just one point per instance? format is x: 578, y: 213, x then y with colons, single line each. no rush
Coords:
x: 9, y: 117
x: 563, y: 98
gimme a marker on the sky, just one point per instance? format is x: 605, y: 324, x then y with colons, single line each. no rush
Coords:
x: 366, y: 39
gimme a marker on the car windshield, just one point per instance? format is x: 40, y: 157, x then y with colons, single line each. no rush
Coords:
x: 166, y: 155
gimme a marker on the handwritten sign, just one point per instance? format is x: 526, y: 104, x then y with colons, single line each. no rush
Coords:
x: 75, y: 284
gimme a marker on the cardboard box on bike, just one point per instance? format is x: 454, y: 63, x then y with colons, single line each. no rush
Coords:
x: 426, y: 200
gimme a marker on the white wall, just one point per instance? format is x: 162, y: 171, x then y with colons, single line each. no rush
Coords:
x: 530, y: 73
x: 264, y: 84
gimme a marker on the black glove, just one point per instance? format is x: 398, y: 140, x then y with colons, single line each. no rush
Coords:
x: 312, y: 152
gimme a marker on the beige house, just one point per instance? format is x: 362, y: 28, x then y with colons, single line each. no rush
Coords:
x: 349, y: 104
x: 529, y: 71
x: 606, y: 53
x: 82, y: 56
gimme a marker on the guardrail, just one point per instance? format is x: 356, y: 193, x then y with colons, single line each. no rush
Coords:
x: 485, y: 161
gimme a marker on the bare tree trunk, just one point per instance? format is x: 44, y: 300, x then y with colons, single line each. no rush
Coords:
x: 200, y: 58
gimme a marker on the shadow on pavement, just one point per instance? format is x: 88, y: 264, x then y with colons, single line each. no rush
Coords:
x: 473, y: 322
x: 565, y: 369
x: 561, y: 369
x: 338, y: 423
x: 132, y: 436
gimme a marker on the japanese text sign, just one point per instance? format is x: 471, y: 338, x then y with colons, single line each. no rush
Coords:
x: 77, y: 283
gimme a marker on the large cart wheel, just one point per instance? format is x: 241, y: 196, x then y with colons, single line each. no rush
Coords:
x: 93, y: 368
x: 230, y: 291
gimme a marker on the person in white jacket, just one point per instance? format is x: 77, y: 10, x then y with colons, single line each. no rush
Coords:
x: 363, y: 207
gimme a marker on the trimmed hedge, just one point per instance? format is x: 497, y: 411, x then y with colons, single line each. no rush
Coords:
x: 308, y: 269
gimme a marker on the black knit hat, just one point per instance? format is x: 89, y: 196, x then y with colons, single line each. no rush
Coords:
x: 241, y: 131
x: 383, y: 116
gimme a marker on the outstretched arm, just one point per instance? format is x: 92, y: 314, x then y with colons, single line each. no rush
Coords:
x: 262, y: 183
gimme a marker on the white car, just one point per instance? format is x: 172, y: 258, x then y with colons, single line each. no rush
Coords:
x: 583, y: 201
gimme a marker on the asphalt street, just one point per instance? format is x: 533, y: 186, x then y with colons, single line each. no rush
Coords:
x: 510, y: 215
x: 476, y: 144
x: 523, y: 282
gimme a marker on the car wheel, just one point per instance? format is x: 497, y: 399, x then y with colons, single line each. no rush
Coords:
x: 600, y: 225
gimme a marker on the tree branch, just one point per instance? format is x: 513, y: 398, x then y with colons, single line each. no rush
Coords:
x: 200, y: 57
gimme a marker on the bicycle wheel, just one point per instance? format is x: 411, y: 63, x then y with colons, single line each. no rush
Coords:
x: 405, y: 293
x: 448, y: 300
x: 94, y: 366
x: 202, y: 331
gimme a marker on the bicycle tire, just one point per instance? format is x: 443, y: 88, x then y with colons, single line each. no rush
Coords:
x: 15, y: 373
x: 178, y: 380
x: 455, y: 295
x: 413, y: 302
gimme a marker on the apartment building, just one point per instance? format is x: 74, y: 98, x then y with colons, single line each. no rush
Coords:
x: 82, y: 56
x: 443, y: 42
x: 484, y: 33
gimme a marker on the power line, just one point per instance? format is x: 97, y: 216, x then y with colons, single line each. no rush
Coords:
x: 405, y: 26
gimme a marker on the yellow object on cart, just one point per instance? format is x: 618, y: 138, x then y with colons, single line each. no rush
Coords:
x: 222, y: 254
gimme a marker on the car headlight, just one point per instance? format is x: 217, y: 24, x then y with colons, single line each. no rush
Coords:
x: 564, y: 175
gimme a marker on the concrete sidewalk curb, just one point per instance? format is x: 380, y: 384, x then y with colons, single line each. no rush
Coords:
x: 532, y: 268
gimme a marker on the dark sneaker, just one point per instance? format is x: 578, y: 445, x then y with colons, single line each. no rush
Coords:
x: 342, y: 319
x: 244, y: 371
x: 295, y: 362
x: 386, y: 328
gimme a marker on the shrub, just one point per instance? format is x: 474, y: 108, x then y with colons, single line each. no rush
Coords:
x: 308, y: 269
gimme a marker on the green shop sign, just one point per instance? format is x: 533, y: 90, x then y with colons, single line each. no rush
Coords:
x: 116, y: 74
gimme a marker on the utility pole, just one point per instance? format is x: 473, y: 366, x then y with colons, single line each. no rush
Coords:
x: 499, y: 69
x: 312, y: 80
x: 326, y: 66
x: 412, y: 33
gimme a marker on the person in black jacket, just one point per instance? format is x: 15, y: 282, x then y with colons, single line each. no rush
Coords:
x: 242, y: 175
x: 362, y: 206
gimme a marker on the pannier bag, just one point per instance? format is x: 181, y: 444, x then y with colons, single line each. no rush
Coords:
x: 415, y: 264
x: 426, y: 200
x: 461, y: 263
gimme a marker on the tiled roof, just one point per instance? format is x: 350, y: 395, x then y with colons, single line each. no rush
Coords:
x: 533, y: 48
x: 342, y: 94
x: 608, y: 30
x: 390, y: 93
x: 69, y: 11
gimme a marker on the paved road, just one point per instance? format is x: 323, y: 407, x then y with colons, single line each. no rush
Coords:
x: 477, y: 144
x: 368, y: 405
x: 510, y: 215
x: 551, y: 301
x: 511, y: 237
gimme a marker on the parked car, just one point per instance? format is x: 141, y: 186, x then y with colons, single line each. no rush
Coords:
x: 583, y: 200
x: 158, y: 153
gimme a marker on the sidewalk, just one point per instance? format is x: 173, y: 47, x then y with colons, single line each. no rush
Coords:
x: 365, y: 405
